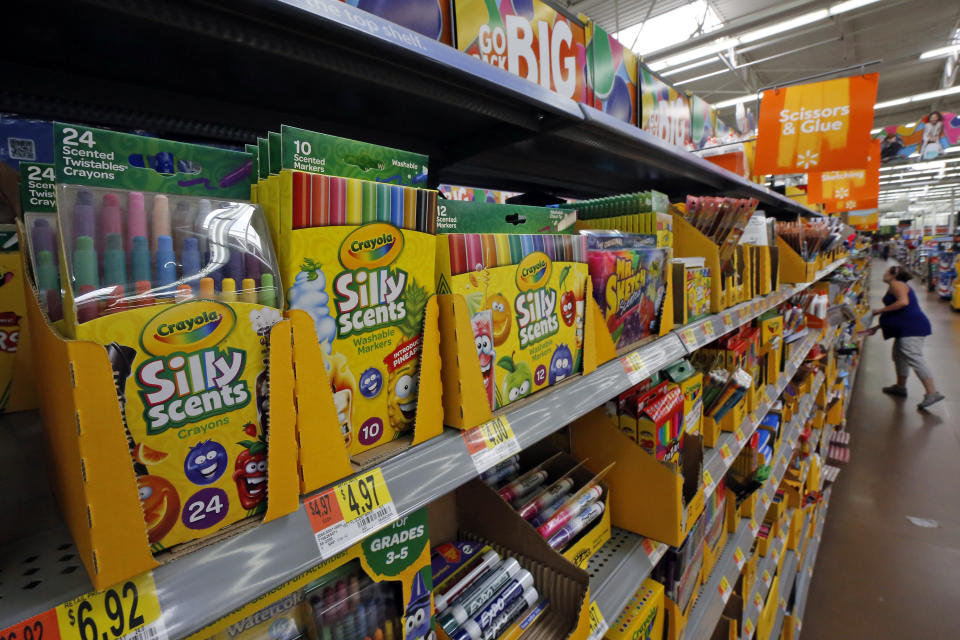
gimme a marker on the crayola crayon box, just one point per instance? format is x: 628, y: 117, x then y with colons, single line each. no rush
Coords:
x: 169, y: 267
x: 356, y: 249
x: 378, y: 588
x: 523, y: 291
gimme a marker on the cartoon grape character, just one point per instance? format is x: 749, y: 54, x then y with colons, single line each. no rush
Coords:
x: 205, y: 462
x: 561, y: 364
x: 483, y: 337
x: 519, y: 381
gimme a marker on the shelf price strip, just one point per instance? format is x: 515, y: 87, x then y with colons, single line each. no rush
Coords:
x: 490, y: 443
x: 350, y: 511
x: 634, y: 366
x: 598, y: 626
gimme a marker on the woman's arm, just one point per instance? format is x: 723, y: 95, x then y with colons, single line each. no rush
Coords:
x: 902, y: 292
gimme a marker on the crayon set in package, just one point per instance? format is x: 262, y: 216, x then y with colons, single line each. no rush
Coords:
x: 356, y: 243
x: 524, y: 292
x: 171, y: 269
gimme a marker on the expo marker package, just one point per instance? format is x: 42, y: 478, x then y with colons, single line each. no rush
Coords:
x: 169, y: 266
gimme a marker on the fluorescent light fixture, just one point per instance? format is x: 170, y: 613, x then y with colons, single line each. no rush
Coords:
x: 692, y: 65
x: 732, y: 102
x: 786, y: 25
x: 695, y: 78
x: 875, y: 131
x: 891, y: 103
x: 849, y: 5
x: 919, y: 97
x: 941, y: 52
x: 721, y: 44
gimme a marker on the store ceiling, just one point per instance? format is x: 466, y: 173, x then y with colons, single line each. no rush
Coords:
x: 895, y: 32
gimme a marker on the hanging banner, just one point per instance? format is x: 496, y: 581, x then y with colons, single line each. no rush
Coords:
x: 824, y: 126
x: 702, y: 122
x: 864, y: 220
x: 828, y: 187
x: 664, y: 111
x: 611, y: 75
x: 841, y: 206
x: 928, y: 137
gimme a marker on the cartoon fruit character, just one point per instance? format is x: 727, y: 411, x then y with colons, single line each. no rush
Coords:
x: 483, y: 338
x: 519, y: 380
x: 403, y: 381
x: 561, y: 364
x: 250, y: 473
x: 568, y: 301
x: 145, y: 455
x: 205, y: 462
x: 161, y: 506
x: 500, y: 317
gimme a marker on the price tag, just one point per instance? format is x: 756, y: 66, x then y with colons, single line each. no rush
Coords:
x: 748, y: 628
x: 708, y: 329
x: 633, y: 365
x: 689, y: 337
x: 129, y: 610
x: 727, y: 320
x: 753, y: 417
x: 490, y: 443
x: 776, y: 554
x: 783, y: 604
x: 725, y: 589
x: 350, y: 511
x: 598, y: 626
x: 809, y: 572
x: 725, y: 453
x: 799, y: 624
x: 40, y: 627
x: 783, y: 460
x: 738, y: 434
x: 758, y: 600
x: 708, y: 485
x: 765, y: 501
x: 754, y: 527
x: 767, y: 578
x: 739, y: 558
x: 649, y: 546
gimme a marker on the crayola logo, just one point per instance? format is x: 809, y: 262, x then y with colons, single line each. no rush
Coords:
x: 371, y: 246
x: 534, y: 271
x: 190, y: 326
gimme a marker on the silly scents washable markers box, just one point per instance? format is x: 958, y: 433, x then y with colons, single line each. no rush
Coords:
x: 170, y: 269
x: 357, y: 255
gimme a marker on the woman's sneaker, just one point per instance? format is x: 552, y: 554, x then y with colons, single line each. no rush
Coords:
x: 929, y: 399
x: 895, y: 390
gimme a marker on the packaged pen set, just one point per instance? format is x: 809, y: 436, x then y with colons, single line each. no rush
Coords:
x: 645, y: 212
x: 356, y: 245
x: 522, y: 276
x: 171, y: 268
x: 722, y: 220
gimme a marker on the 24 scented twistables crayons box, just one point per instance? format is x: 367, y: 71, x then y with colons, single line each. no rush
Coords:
x: 355, y: 244
x: 171, y: 298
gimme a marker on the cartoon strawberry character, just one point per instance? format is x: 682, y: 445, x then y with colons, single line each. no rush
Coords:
x: 568, y: 300
x: 250, y: 471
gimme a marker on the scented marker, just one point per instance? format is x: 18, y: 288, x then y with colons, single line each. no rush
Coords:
x: 183, y: 293
x: 338, y: 202
x: 474, y: 251
x: 509, y: 615
x: 396, y: 206
x: 489, y: 248
x: 48, y: 282
x: 569, y: 510
x: 409, y: 208
x: 549, y: 246
x: 248, y: 291
x: 166, y: 261
x: 458, y: 253
x: 368, y: 210
x: 182, y: 223
x: 477, y: 595
x: 524, y: 485
x: 205, y: 288
x: 549, y: 510
x: 140, y: 260
x: 110, y: 222
x: 577, y: 524
x: 267, y: 295
x: 319, y: 200
x: 538, y: 242
x: 478, y: 567
x: 473, y: 628
x: 190, y: 261
x: 545, y: 499
x: 354, y: 202
x: 526, y: 243
x: 83, y: 221
x: 160, y: 222
x: 301, y: 200
x: 384, y: 202
x: 228, y: 290
x: 234, y: 268
x: 502, y: 241
x: 516, y: 248
x: 85, y: 275
x: 114, y: 260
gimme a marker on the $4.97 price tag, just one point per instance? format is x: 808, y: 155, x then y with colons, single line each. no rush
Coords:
x: 598, y: 626
x: 350, y: 511
x: 129, y: 610
x: 689, y: 337
x: 490, y: 443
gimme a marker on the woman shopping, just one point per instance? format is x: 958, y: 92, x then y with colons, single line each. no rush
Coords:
x: 902, y: 319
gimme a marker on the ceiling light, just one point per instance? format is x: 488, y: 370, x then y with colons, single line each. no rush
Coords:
x: 891, y: 103
x: 687, y: 67
x: 941, y: 52
x: 850, y: 5
x: 732, y: 102
x: 920, y: 97
x: 786, y: 25
x: 695, y: 78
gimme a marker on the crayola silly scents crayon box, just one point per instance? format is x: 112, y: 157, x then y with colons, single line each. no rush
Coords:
x: 356, y: 250
x: 173, y: 272
x: 524, y: 291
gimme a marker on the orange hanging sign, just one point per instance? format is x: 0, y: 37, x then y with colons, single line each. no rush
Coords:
x: 834, y: 188
x: 865, y: 222
x: 824, y: 126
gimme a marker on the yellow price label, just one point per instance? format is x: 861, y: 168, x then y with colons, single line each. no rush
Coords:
x: 724, y: 588
x: 598, y: 626
x: 690, y: 336
x: 739, y: 558
x: 362, y: 494
x: 758, y: 600
x: 708, y: 329
x: 766, y: 577
x: 727, y: 320
x: 754, y: 528
x: 738, y: 432
x: 748, y: 628
x: 114, y: 612
x: 496, y: 432
x: 725, y: 452
x: 707, y: 479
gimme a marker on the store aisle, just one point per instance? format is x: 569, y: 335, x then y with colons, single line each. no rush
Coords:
x: 877, y: 574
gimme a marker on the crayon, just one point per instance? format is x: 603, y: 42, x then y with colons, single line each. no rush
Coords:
x: 228, y: 290
x: 140, y: 268
x: 267, y: 294
x: 115, y: 299
x: 474, y: 252
x: 166, y: 261
x: 409, y: 208
x: 142, y: 288
x: 538, y: 244
x: 577, y: 524
x: 489, y: 249
x: 478, y: 567
x: 83, y: 217
x: 396, y: 206
x: 545, y: 499
x: 301, y: 200
x: 477, y: 595
x: 458, y: 253
x: 248, y: 291
x: 368, y: 209
x: 384, y: 201
x: 114, y: 260
x: 512, y: 613
x: 48, y: 282
x: 388, y: 630
x: 190, y: 261
x: 319, y: 200
x: 338, y: 202
x: 110, y: 222
x: 473, y: 628
x: 205, y: 288
x: 549, y: 246
x: 85, y: 275
x: 160, y: 222
x: 354, y: 202
x: 183, y: 293
x: 524, y: 485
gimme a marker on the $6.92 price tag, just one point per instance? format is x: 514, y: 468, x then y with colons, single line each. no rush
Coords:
x: 127, y: 610
x: 350, y: 511
x: 490, y: 443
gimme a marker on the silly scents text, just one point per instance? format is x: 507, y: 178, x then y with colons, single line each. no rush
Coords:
x: 367, y: 300
x: 536, y: 315
x: 183, y: 388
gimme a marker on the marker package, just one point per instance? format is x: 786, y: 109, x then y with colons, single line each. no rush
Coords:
x: 168, y: 266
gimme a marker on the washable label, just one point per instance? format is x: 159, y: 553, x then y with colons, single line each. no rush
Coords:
x: 634, y: 366
x: 726, y: 454
x: 130, y: 610
x: 350, y: 511
x: 490, y: 443
x: 708, y: 485
x: 767, y: 578
x: 748, y: 628
x: 739, y: 558
x: 725, y: 589
x: 598, y: 626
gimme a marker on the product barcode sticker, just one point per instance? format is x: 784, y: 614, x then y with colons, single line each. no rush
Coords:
x: 598, y: 626
x: 739, y: 558
x: 725, y: 589
x: 128, y: 610
x: 490, y: 443
x: 350, y: 511
x: 708, y: 485
x: 634, y: 366
x: 725, y: 453
x: 748, y: 628
x: 767, y: 578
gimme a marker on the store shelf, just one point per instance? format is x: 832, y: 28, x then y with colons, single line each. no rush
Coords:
x: 619, y: 567
x: 787, y: 579
x: 805, y: 572
x: 767, y: 566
